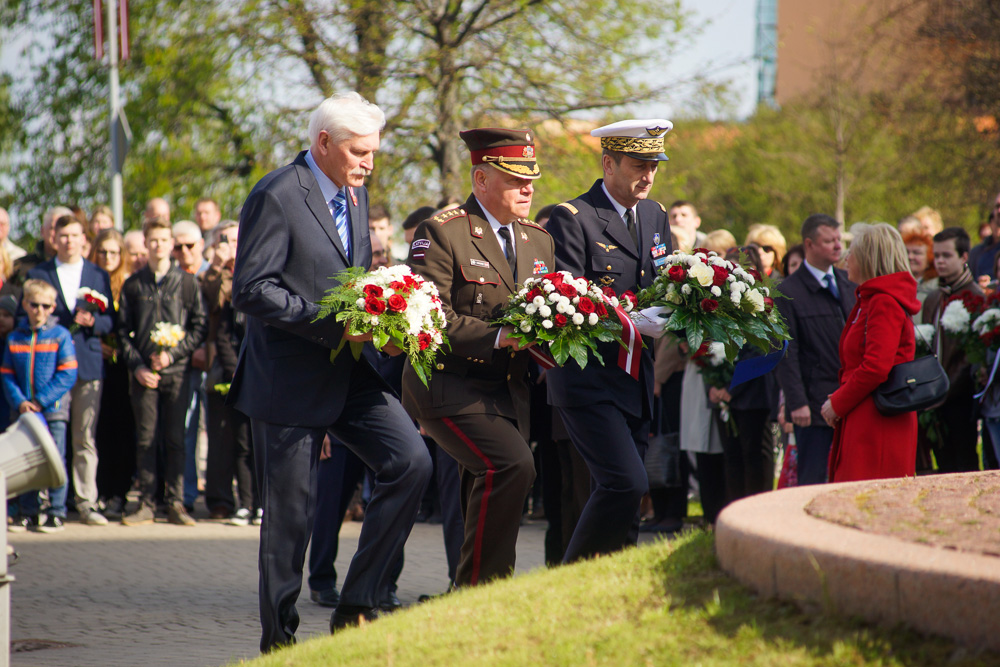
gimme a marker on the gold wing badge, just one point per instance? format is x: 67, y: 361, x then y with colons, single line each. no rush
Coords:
x: 606, y: 246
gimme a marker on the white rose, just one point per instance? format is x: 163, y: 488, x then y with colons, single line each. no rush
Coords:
x: 525, y: 326
x: 547, y: 324
x: 592, y: 319
x: 545, y: 311
x: 702, y: 274
x: 757, y: 299
x: 578, y: 319
x: 716, y: 291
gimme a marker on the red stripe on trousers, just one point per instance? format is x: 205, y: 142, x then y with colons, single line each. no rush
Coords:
x: 477, y: 550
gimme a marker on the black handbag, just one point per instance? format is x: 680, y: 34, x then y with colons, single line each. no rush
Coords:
x: 663, y: 461
x: 911, y: 385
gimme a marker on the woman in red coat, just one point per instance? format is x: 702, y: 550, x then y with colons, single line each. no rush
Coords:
x: 879, y: 335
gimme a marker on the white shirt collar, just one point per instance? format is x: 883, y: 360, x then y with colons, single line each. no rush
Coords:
x: 820, y: 276
x: 326, y: 185
x: 618, y: 207
x: 495, y: 225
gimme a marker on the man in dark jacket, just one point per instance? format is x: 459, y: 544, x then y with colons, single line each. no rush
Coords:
x: 160, y: 294
x: 819, y: 299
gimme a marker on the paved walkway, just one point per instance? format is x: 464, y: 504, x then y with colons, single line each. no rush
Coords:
x: 168, y: 595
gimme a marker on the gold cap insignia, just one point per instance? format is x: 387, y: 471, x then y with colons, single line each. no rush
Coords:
x: 656, y: 131
x: 529, y: 151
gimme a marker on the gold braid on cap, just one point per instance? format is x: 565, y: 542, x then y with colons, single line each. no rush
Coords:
x: 633, y: 144
x: 511, y: 163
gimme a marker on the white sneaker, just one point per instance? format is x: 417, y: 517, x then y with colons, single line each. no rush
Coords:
x: 95, y: 518
x: 240, y: 517
x: 258, y: 517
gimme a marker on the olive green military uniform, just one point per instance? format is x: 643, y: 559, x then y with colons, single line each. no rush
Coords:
x: 476, y: 406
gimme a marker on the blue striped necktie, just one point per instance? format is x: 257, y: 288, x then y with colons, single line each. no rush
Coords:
x: 340, y: 216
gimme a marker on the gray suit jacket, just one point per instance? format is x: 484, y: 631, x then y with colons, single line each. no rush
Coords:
x: 289, y: 251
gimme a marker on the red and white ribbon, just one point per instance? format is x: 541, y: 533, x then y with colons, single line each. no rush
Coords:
x: 630, y: 355
x: 541, y: 357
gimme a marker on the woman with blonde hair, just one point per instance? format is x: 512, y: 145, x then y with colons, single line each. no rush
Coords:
x: 771, y: 243
x: 115, y: 421
x: 878, y: 336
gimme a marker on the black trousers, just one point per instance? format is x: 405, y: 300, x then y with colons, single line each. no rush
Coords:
x: 749, y: 455
x: 116, y: 449
x: 230, y: 454
x: 161, y: 411
x: 613, y: 444
x: 374, y: 426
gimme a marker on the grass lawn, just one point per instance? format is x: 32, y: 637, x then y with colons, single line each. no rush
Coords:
x: 666, y: 603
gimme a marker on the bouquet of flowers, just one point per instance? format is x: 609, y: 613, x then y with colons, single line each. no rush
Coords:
x: 393, y: 304
x: 717, y: 371
x: 974, y: 321
x: 91, y: 301
x: 166, y: 335
x: 710, y: 298
x: 567, y: 316
x: 924, y: 334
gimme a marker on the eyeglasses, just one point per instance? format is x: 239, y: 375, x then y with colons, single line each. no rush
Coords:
x: 179, y: 246
x: 109, y: 253
x: 43, y: 306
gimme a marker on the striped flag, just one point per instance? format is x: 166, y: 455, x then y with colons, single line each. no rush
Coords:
x: 123, y: 39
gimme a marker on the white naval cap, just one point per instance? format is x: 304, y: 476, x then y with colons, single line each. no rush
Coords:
x: 638, y: 138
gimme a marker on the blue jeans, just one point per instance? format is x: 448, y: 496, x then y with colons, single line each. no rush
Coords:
x: 191, y: 423
x: 28, y: 502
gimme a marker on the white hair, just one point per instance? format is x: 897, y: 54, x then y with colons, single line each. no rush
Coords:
x: 54, y: 214
x: 344, y: 116
x: 187, y: 228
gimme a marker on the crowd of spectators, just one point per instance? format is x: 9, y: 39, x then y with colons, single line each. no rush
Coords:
x: 131, y: 417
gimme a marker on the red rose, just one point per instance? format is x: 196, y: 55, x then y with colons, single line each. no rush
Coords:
x: 768, y: 304
x: 709, y: 305
x: 372, y: 291
x: 608, y: 292
x: 720, y: 276
x: 600, y: 309
x: 425, y: 340
x: 90, y: 298
x: 566, y: 290
x: 555, y: 278
x: 374, y: 306
x: 397, y: 304
x: 399, y: 286
x: 631, y: 297
x: 677, y: 273
x: 411, y: 282
x: 560, y: 320
x: 530, y: 296
x: 753, y: 272
x: 585, y: 305
x: 703, y: 251
x: 701, y: 351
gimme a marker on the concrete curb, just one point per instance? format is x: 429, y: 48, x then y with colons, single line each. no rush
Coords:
x: 770, y: 544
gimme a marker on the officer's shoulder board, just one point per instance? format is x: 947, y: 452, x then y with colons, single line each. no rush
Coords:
x: 448, y: 216
x: 662, y: 207
x: 533, y: 225
x: 569, y: 207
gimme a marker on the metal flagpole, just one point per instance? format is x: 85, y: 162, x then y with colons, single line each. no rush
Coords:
x: 116, y: 174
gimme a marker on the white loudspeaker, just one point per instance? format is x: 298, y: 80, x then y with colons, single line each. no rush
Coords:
x: 29, y: 458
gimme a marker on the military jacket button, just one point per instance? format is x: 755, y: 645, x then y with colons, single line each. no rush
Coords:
x: 440, y: 367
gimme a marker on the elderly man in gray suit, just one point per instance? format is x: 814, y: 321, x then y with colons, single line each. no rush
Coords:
x: 300, y: 225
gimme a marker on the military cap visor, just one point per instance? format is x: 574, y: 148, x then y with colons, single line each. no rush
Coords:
x: 510, y: 151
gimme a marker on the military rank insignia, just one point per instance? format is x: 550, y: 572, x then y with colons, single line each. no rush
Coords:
x: 539, y: 267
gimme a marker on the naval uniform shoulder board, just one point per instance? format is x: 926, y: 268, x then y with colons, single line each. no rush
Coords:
x: 661, y: 206
x: 448, y: 216
x: 569, y: 207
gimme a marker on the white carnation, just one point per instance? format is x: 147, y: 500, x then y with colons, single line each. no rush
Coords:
x: 560, y: 307
x: 569, y: 310
x: 547, y: 324
x: 685, y: 289
x: 538, y: 301
x: 735, y: 297
x: 530, y: 309
x: 578, y: 319
x: 716, y: 291
x: 525, y: 326
x: 592, y: 319
x: 360, y: 303
x: 987, y: 321
x: 548, y: 287
x: 955, y: 318
x: 545, y: 311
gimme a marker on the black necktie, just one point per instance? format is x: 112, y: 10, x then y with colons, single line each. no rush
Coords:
x: 509, y: 250
x: 630, y: 223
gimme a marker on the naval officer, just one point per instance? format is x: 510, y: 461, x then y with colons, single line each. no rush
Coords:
x: 615, y: 236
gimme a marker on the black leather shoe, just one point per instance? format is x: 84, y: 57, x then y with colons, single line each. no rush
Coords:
x: 390, y: 604
x: 347, y: 616
x: 327, y: 598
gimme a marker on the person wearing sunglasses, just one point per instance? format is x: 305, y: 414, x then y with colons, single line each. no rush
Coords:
x: 38, y: 371
x: 771, y: 244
